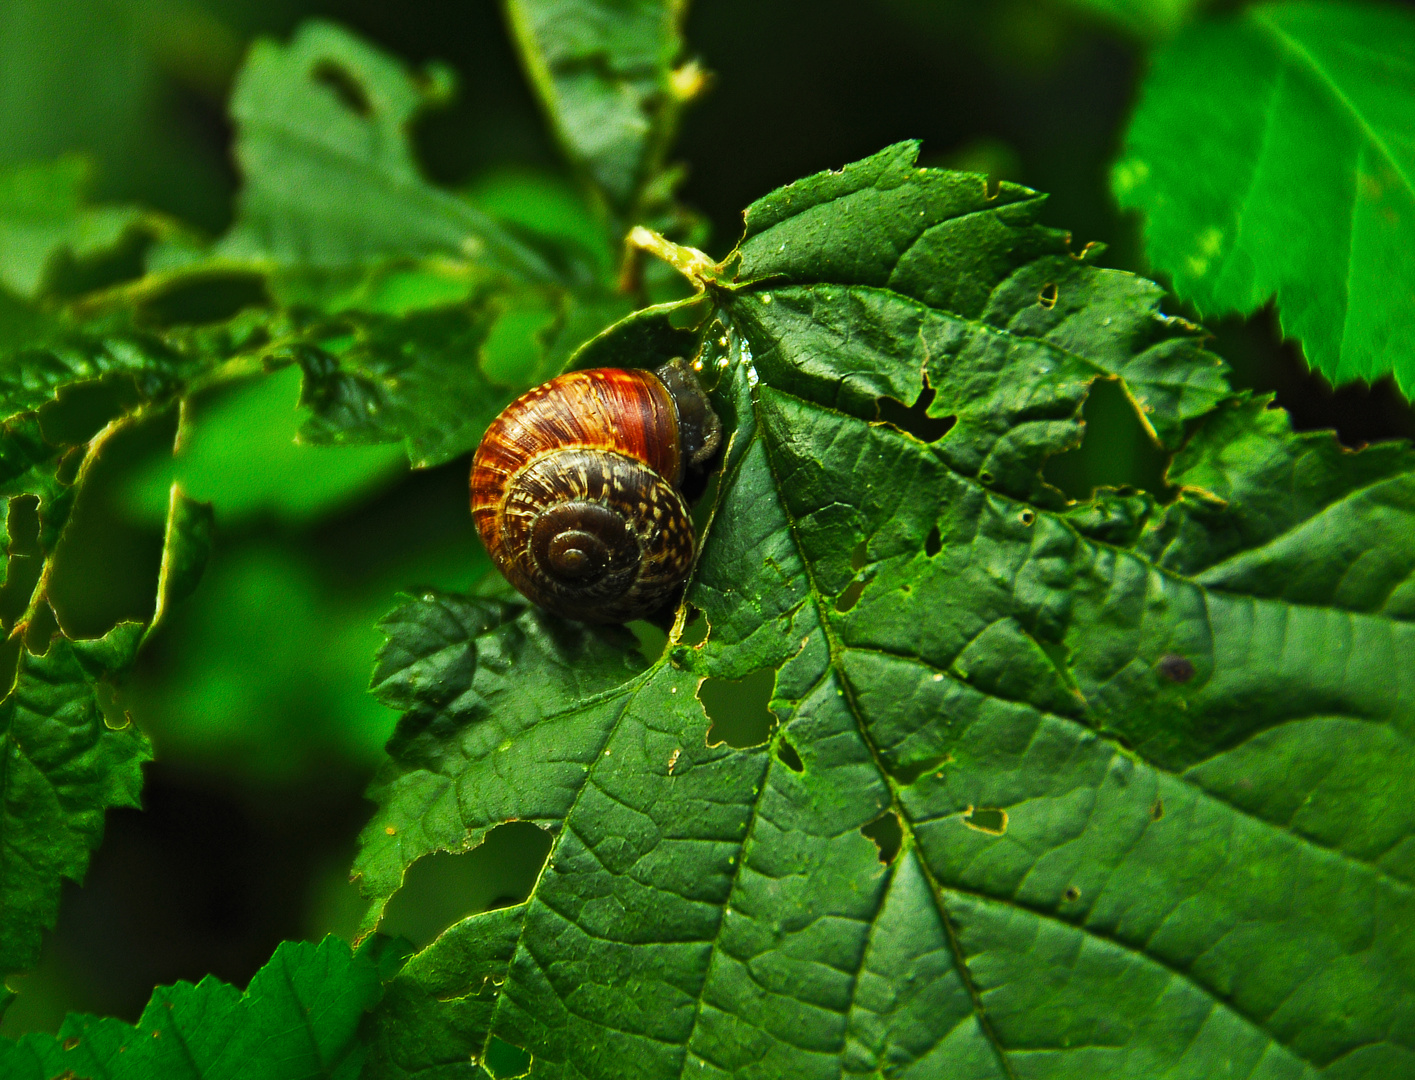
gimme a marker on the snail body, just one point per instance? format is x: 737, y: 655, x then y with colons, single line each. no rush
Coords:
x: 577, y: 489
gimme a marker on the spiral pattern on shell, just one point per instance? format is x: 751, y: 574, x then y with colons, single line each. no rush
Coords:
x: 575, y: 489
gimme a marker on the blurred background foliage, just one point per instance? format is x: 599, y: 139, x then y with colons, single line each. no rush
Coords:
x: 254, y: 692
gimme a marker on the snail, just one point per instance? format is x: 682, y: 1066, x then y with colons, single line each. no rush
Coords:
x: 577, y: 489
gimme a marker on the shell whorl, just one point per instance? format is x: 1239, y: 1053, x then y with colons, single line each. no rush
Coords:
x: 575, y: 494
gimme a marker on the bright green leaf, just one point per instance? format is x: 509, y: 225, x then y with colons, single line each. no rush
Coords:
x: 65, y: 764
x: 42, y: 214
x: 605, y: 74
x: 186, y: 546
x: 1146, y: 767
x: 1271, y: 155
x: 329, y: 176
x: 297, y: 1020
x: 239, y: 453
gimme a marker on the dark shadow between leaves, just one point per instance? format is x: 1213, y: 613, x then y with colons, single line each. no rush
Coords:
x: 201, y: 299
x: 442, y: 889
x: 887, y: 835
x: 739, y: 709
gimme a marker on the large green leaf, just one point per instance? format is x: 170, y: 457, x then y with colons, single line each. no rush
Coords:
x: 42, y: 215
x: 64, y: 765
x: 297, y: 1020
x: 437, y: 313
x: 1146, y: 764
x: 329, y: 177
x: 604, y: 71
x: 1271, y: 154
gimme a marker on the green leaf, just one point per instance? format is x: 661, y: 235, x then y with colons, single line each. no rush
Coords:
x: 297, y: 1020
x: 604, y: 72
x: 64, y: 766
x: 436, y: 378
x: 329, y: 176
x: 42, y: 215
x: 1147, y: 782
x: 1271, y: 156
x: 186, y: 546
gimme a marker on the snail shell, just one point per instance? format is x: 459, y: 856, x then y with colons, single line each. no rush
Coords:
x: 576, y: 489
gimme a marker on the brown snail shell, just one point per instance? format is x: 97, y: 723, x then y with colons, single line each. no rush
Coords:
x: 577, y: 489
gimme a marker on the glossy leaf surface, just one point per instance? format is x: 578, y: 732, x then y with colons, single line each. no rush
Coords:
x: 1272, y: 158
x: 297, y: 1020
x: 604, y: 72
x: 1143, y: 761
x: 65, y: 764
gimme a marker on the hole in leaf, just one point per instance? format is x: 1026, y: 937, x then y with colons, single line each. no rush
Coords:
x: 695, y: 628
x: 444, y: 888
x: 985, y: 477
x: 915, y: 418
x: 205, y: 298
x: 1028, y: 517
x: 1072, y: 894
x: 886, y: 834
x: 787, y: 755
x: 504, y: 1060
x: 910, y: 773
x: 1157, y: 810
x: 42, y: 628
x: 1175, y: 668
x: 22, y: 524
x: 652, y: 639
x: 851, y: 596
x: 859, y: 555
x: 21, y: 576
x: 739, y: 708
x: 346, y: 87
x: 71, y: 1043
x: 89, y: 597
x: 986, y: 819
x: 9, y: 663
x: 933, y: 543
x: 80, y: 410
x: 1115, y: 452
x: 1048, y: 296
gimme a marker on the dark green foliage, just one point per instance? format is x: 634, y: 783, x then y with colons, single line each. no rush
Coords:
x: 64, y: 764
x: 297, y: 1020
x: 996, y: 784
x: 1124, y: 762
